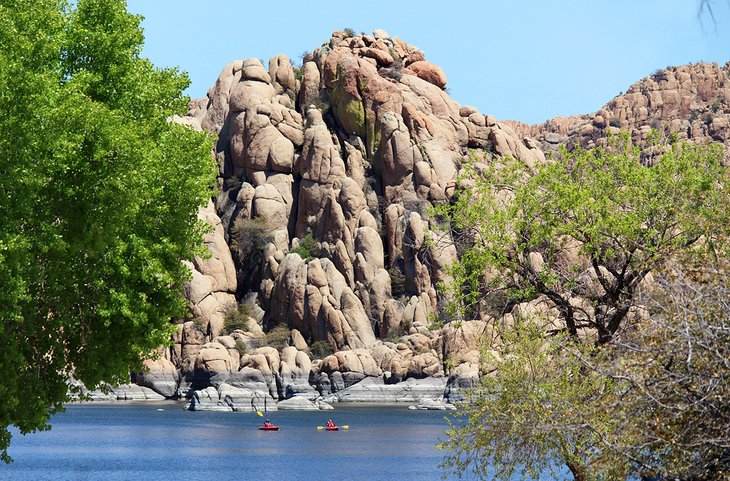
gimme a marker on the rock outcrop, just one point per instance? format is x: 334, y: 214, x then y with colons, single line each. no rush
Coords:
x: 349, y: 155
x: 690, y: 101
x: 337, y: 162
x: 322, y: 227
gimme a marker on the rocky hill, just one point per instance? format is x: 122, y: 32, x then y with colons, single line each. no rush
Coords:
x: 318, y: 242
x: 691, y: 101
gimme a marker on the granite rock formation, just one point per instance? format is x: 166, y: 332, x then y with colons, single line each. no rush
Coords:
x: 322, y: 229
x: 689, y: 101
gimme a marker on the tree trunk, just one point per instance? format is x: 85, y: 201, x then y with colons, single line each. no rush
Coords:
x: 577, y: 470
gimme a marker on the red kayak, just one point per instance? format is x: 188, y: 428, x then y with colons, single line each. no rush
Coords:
x: 333, y: 428
x: 269, y: 428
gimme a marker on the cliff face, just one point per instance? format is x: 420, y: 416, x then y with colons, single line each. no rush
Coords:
x: 691, y: 101
x: 352, y: 155
x: 326, y: 175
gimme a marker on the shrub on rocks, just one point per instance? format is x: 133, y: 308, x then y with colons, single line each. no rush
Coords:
x: 307, y: 248
x: 397, y: 282
x: 395, y: 335
x: 278, y: 337
x: 241, y: 347
x: 250, y: 236
x: 237, y: 318
x: 320, y: 349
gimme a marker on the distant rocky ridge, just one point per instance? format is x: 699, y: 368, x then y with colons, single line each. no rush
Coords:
x: 338, y: 162
x: 691, y: 101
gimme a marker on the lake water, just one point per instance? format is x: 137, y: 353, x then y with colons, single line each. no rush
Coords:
x: 115, y: 442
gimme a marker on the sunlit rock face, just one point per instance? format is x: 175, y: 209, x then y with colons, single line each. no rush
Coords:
x: 349, y: 150
x: 691, y: 102
x: 322, y: 220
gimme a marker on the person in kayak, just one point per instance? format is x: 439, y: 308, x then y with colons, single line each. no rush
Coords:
x: 267, y: 424
x: 330, y: 424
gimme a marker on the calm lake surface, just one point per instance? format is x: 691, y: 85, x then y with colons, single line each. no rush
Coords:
x: 117, y: 442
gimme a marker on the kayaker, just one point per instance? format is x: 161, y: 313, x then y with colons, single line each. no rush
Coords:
x: 267, y: 424
x: 330, y: 424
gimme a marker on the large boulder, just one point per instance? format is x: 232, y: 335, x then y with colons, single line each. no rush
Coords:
x: 429, y: 72
x: 374, y: 389
x: 294, y: 370
x: 160, y: 375
x: 214, y: 359
x: 227, y: 397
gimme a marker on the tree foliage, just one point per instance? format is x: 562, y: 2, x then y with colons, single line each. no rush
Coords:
x: 238, y: 317
x: 307, y: 249
x: 320, y: 349
x: 590, y: 225
x: 249, y: 238
x: 278, y: 337
x: 675, y: 368
x: 98, y: 200
x: 599, y: 397
x: 651, y: 404
x: 539, y: 413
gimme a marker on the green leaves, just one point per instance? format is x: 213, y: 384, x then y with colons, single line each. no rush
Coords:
x: 578, y: 236
x: 538, y: 412
x: 591, y: 224
x: 99, y: 196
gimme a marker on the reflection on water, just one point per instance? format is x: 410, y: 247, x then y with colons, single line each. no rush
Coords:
x: 136, y: 441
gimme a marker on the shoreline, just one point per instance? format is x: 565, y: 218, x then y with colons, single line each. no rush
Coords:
x: 296, y: 405
x: 182, y: 403
x: 241, y: 393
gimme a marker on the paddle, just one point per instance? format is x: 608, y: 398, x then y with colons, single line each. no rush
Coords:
x: 319, y: 428
x: 255, y: 408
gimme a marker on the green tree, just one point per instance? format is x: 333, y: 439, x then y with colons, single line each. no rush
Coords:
x: 99, y: 193
x: 652, y: 402
x: 583, y: 231
x: 540, y: 413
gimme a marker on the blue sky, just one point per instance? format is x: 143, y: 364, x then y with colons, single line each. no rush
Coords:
x: 522, y: 59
